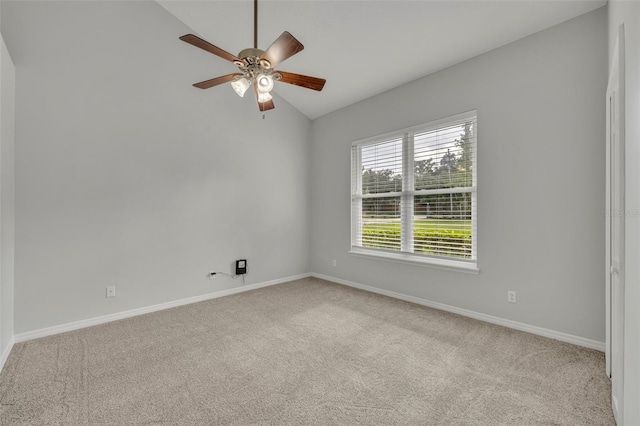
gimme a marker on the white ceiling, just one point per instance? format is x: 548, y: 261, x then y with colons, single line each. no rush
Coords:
x: 363, y: 48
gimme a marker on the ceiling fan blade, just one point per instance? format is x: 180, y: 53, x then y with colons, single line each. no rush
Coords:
x: 205, y: 45
x: 284, y: 47
x: 216, y: 81
x: 263, y: 106
x: 305, y: 81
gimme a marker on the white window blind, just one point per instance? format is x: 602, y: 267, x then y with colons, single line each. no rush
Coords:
x: 414, y: 191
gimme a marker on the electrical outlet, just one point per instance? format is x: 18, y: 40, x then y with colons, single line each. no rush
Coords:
x: 334, y: 263
x: 111, y: 291
x: 511, y: 296
x: 212, y: 275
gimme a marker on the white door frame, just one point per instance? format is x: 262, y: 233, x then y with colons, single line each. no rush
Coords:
x: 614, y: 294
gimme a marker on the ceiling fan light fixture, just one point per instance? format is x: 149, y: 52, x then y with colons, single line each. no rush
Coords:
x: 264, y: 97
x: 264, y: 83
x: 240, y: 86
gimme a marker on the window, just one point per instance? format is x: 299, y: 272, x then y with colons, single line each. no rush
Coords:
x: 414, y: 194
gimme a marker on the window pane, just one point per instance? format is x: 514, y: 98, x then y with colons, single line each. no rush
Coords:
x: 382, y: 167
x: 444, y: 157
x: 442, y: 225
x: 415, y: 193
x: 381, y: 223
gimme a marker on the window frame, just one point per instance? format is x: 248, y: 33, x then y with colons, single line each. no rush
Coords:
x: 407, y: 198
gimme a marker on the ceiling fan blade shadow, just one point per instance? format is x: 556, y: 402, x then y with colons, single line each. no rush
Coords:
x: 305, y: 81
x: 205, y: 45
x: 283, y: 48
x: 216, y: 81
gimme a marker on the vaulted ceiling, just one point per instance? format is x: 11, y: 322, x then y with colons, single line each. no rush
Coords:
x: 364, y: 48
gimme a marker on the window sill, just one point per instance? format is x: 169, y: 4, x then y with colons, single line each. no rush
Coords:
x: 430, y: 262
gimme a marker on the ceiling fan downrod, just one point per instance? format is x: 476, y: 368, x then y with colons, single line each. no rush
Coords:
x: 255, y: 24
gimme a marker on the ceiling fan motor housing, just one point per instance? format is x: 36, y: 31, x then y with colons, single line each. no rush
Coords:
x: 253, y: 66
x: 250, y: 52
x: 251, y: 56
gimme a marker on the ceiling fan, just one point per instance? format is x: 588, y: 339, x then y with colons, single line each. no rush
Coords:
x: 256, y: 66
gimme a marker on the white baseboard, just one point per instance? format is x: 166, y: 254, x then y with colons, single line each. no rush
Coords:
x: 6, y: 352
x: 557, y: 335
x: 63, y: 328
x: 564, y: 337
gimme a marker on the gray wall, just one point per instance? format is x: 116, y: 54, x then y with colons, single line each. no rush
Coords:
x: 541, y: 179
x: 628, y: 13
x: 7, y: 115
x: 126, y: 175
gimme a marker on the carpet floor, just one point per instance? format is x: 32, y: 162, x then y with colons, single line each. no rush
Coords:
x: 307, y: 352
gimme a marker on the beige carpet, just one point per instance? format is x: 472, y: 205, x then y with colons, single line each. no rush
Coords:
x: 302, y: 353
